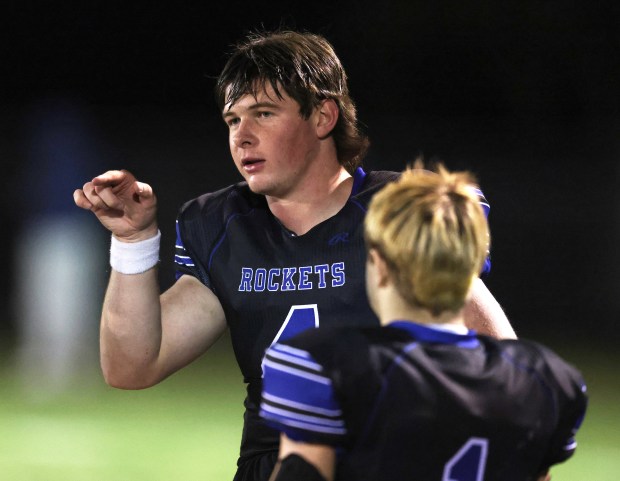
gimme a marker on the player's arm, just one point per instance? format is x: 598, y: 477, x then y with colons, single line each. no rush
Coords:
x: 300, y: 401
x: 570, y: 399
x: 484, y: 314
x: 299, y: 461
x: 145, y: 337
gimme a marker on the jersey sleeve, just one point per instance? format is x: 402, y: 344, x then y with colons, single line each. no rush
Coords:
x: 571, y: 398
x: 198, y: 226
x: 298, y: 398
x: 486, y: 207
x: 183, y: 261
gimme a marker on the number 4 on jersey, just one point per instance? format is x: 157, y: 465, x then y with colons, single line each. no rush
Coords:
x: 299, y: 319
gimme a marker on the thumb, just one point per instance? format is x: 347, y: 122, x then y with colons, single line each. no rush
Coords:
x: 144, y: 191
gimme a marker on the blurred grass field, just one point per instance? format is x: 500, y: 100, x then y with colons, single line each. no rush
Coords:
x: 188, y: 427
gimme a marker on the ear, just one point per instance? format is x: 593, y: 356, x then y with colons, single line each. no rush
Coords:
x: 328, y: 113
x: 377, y: 263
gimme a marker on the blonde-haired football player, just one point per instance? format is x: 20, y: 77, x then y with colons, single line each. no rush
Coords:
x: 421, y: 397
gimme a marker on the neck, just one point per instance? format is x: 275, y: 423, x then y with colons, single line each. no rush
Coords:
x: 393, y: 307
x: 314, y: 201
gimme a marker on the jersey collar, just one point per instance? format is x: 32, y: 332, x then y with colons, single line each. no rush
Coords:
x: 358, y: 179
x: 428, y: 334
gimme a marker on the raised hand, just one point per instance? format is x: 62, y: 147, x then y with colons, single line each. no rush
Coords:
x: 126, y: 207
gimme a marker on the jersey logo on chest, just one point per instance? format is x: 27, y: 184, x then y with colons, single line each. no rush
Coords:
x: 343, y: 237
x: 320, y: 276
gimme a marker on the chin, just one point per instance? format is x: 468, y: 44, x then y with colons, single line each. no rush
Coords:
x: 259, y: 186
x: 260, y: 189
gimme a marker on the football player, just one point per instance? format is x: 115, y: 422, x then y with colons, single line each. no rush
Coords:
x: 266, y: 258
x: 421, y: 396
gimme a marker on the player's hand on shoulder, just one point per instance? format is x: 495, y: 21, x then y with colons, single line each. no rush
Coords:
x: 123, y: 205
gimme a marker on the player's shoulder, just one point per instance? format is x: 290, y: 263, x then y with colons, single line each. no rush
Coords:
x: 526, y: 351
x: 376, y: 179
x: 372, y: 182
x: 380, y: 177
x: 544, y: 362
x: 233, y: 199
x: 342, y: 347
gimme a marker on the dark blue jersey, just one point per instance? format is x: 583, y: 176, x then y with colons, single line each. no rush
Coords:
x: 271, y: 283
x: 412, y: 402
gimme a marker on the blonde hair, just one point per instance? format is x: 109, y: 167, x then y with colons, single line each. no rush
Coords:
x: 432, y: 232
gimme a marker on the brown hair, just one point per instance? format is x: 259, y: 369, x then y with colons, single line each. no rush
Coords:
x: 305, y: 65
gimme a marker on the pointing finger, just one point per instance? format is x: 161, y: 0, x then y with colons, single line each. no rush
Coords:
x: 80, y: 199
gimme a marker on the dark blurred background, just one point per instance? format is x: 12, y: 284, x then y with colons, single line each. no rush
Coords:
x: 525, y: 94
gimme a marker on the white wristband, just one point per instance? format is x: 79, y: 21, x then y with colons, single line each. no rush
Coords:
x: 134, y: 257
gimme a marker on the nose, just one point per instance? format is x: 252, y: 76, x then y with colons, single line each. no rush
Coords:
x: 243, y: 135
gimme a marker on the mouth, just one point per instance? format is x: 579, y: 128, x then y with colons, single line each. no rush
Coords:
x: 251, y: 164
x: 245, y: 162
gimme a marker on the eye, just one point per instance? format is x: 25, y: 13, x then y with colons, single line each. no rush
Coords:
x: 232, y: 121
x: 265, y: 114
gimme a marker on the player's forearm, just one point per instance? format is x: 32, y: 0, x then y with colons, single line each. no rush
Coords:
x: 131, y: 330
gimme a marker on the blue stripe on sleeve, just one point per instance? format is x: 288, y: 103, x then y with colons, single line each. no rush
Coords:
x: 297, y: 396
x: 181, y: 257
